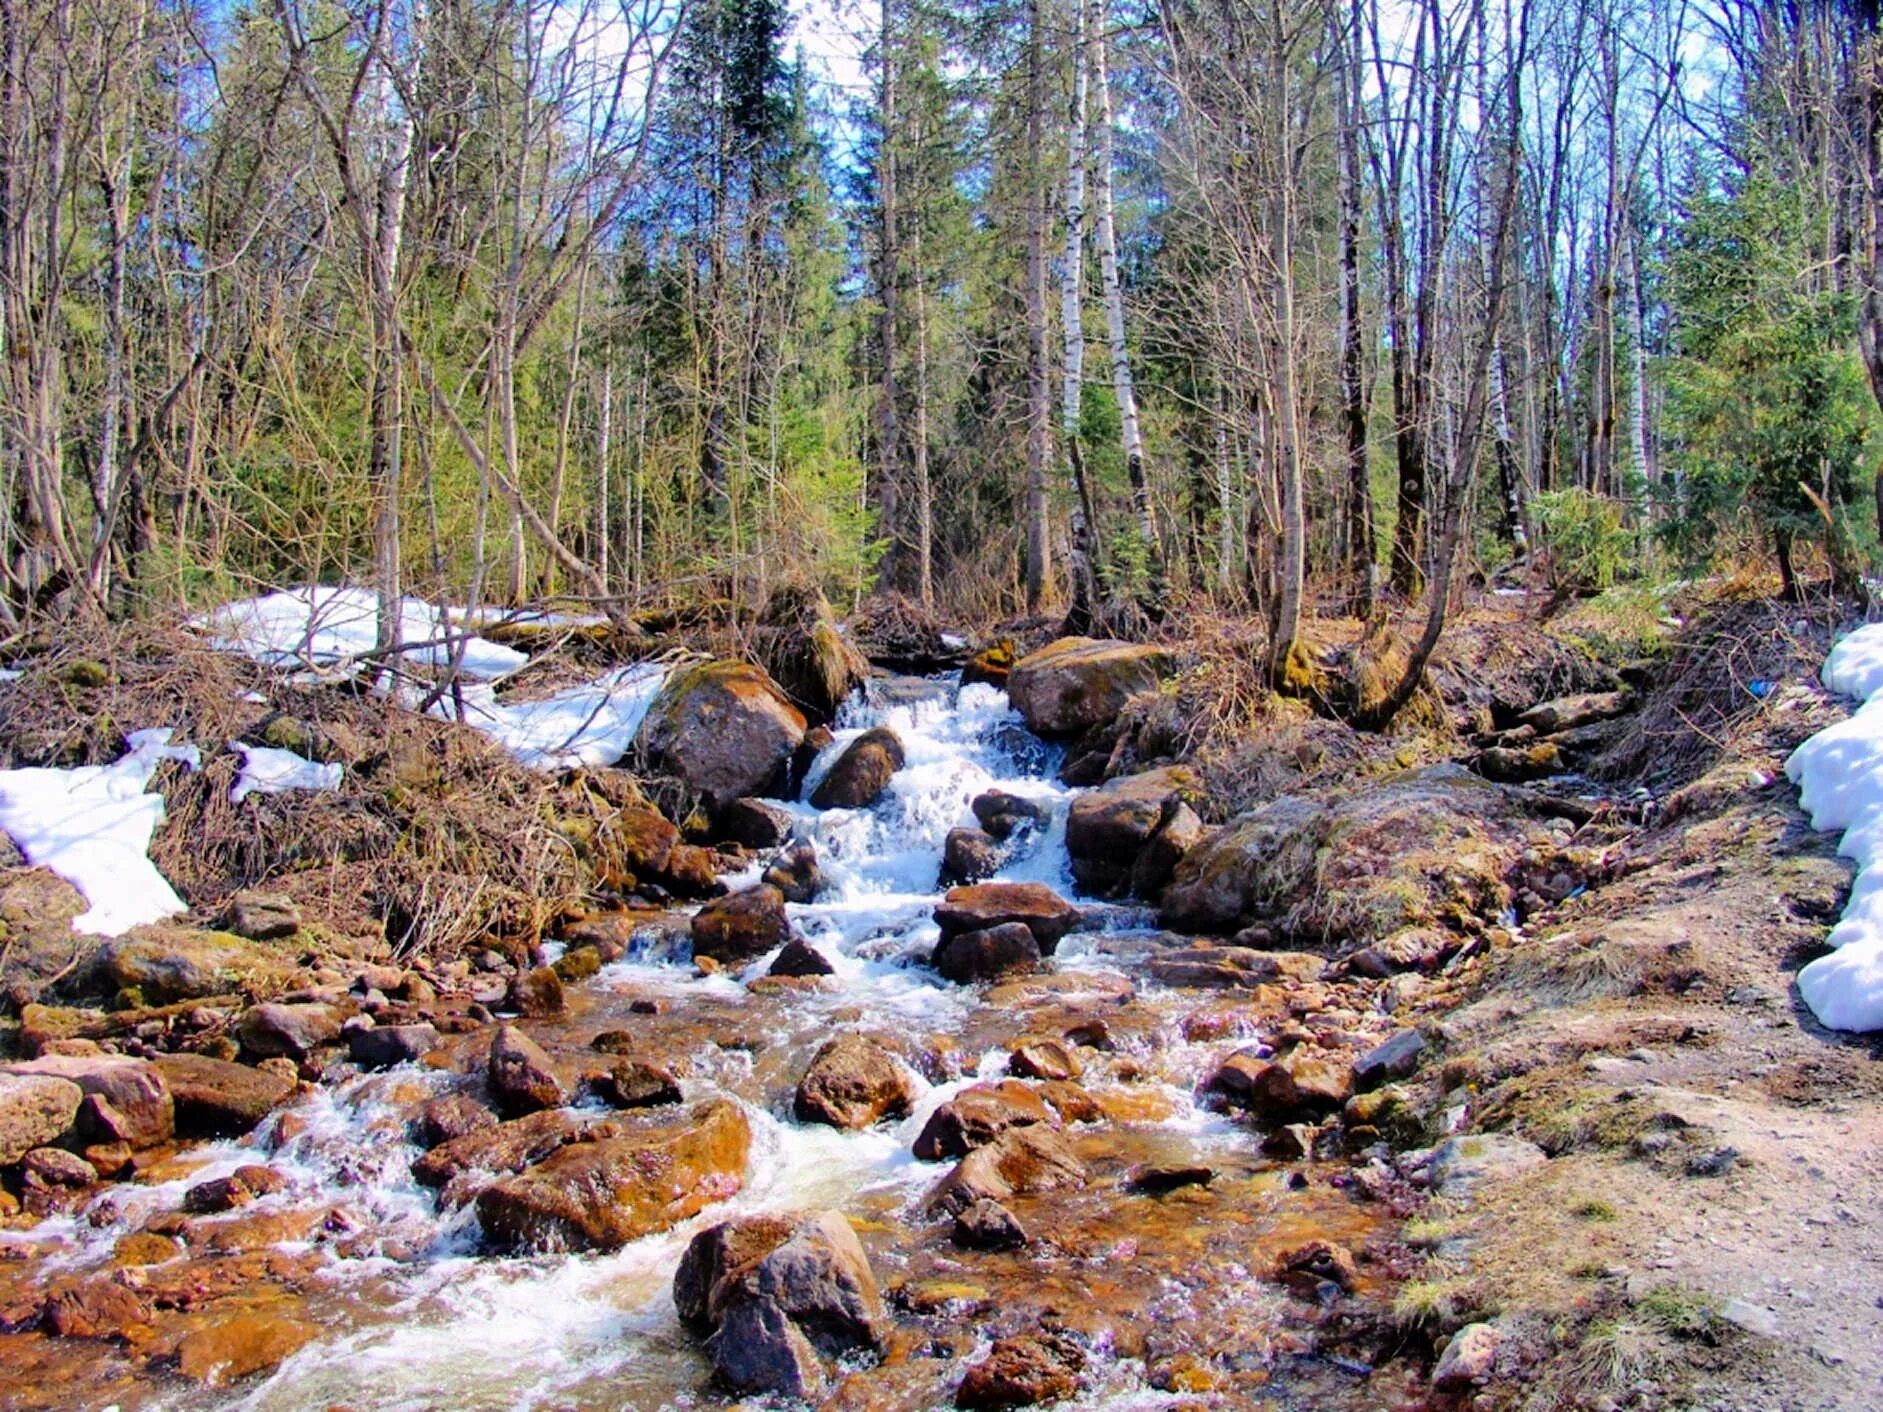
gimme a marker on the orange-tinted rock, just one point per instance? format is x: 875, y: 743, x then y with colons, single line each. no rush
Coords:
x: 862, y: 772
x: 236, y: 1346
x: 742, y: 926
x: 976, y: 1116
x: 984, y: 905
x: 126, y: 1100
x: 522, y: 1079
x: 724, y: 729
x: 215, y: 1098
x: 852, y: 1083
x: 1077, y: 683
x: 1023, y: 1371
x: 1018, y: 1162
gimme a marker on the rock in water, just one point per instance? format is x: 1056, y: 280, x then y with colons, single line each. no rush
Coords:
x: 35, y: 1110
x: 601, y: 1195
x: 1023, y: 1371
x: 1018, y: 1162
x: 1003, y: 814
x: 215, y: 1098
x: 985, y: 905
x: 812, y: 1297
x: 1077, y: 683
x: 741, y: 927
x: 756, y: 823
x: 536, y: 993
x: 1109, y: 828
x: 988, y: 955
x: 522, y: 1079
x: 799, y: 958
x: 862, y: 772
x: 976, y: 1116
x: 125, y: 1100
x: 632, y: 1083
x: 987, y: 1225
x: 724, y: 729
x: 853, y: 1083
x: 716, y: 1253
x: 795, y: 874
x: 1300, y: 1086
x: 969, y: 855
x: 386, y: 1045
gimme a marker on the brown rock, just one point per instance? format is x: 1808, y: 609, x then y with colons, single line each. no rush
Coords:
x: 1022, y: 1371
x: 240, y: 1187
x: 54, y: 1166
x: 522, y: 1079
x: 1043, y: 1059
x: 1234, y: 967
x: 239, y: 1345
x: 600, y: 1195
x: 35, y: 1109
x: 795, y: 874
x: 1109, y: 828
x: 263, y: 916
x: 215, y: 1098
x: 1571, y: 712
x: 1008, y: 949
x: 1018, y: 1162
x: 1003, y: 815
x: 987, y: 1225
x: 742, y: 926
x: 853, y: 1083
x: 98, y: 1308
x: 287, y: 1031
x: 126, y: 1100
x: 167, y: 963
x: 507, y: 1147
x: 724, y: 729
x: 976, y: 1116
x: 862, y: 772
x: 1300, y: 1086
x: 383, y: 1046
x: 800, y: 959
x: 968, y: 856
x: 716, y: 1253
x: 986, y: 905
x: 633, y: 1083
x: 1077, y: 683
x: 536, y: 993
x: 453, y: 1116
x: 1306, y: 1268
x: 755, y: 823
x: 990, y: 664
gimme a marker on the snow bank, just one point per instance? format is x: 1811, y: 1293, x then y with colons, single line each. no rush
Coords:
x: 266, y: 770
x: 336, y: 625
x: 92, y: 826
x: 593, y: 724
x: 1839, y: 774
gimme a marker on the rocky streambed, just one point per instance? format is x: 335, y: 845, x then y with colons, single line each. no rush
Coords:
x: 969, y: 1088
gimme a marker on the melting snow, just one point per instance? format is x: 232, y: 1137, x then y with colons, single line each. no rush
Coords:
x: 92, y: 826
x: 592, y: 724
x: 266, y: 770
x: 1839, y: 774
x: 337, y: 625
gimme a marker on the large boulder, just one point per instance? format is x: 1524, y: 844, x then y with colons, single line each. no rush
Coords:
x: 165, y: 964
x: 810, y: 1298
x: 724, y: 729
x: 35, y: 1110
x: 742, y: 926
x: 976, y: 1116
x: 502, y: 1148
x: 1077, y: 683
x: 713, y: 1257
x: 1018, y: 1162
x: 215, y: 1098
x: 853, y: 1083
x: 984, y: 905
x: 601, y: 1195
x: 857, y: 778
x: 125, y: 1100
x: 275, y: 1031
x: 1344, y: 868
x: 991, y: 954
x: 522, y: 1078
x: 1109, y: 828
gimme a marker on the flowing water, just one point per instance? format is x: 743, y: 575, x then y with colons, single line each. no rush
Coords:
x: 416, y: 1315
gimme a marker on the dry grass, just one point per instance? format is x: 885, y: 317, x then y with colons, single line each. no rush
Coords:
x: 437, y: 839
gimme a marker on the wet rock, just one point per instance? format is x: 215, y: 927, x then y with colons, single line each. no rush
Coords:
x: 1568, y: 713
x: 506, y: 1147
x: 1043, y: 1059
x: 990, y: 664
x: 386, y: 1045
x: 724, y: 729
x: 456, y: 1115
x: 54, y: 1166
x: 35, y: 1109
x: 987, y: 905
x: 100, y: 1309
x: 1008, y: 949
x: 799, y: 642
x: 165, y: 964
x: 522, y: 1079
x: 1395, y: 1058
x: 215, y: 1098
x: 813, y: 1295
x: 1350, y: 866
x: 713, y: 1256
x: 976, y: 1116
x: 634, y: 1083
x: 741, y: 927
x: 799, y: 958
x: 1109, y: 828
x: 240, y: 1345
x: 1234, y: 967
x: 969, y: 855
x: 1306, y: 1268
x: 1302, y: 1085
x: 1071, y: 1103
x: 262, y: 916
x: 600, y: 1195
x: 755, y: 823
x: 1469, y: 1359
x: 1023, y: 1371
x: 125, y: 1100
x: 987, y: 1225
x: 795, y: 874
x: 287, y: 1031
x: 1003, y: 815
x: 1161, y: 1181
x: 1077, y: 683
x: 639, y: 841
x: 1460, y: 1165
x: 536, y: 993
x: 239, y: 1188
x: 1018, y: 1162
x: 862, y: 772
x: 853, y: 1083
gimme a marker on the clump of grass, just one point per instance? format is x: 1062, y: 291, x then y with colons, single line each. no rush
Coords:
x: 1682, y: 1312
x: 1441, y: 1304
x: 1595, y: 1209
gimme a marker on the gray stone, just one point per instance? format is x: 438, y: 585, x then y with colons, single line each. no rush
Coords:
x: 1460, y: 1165
x: 1396, y: 1058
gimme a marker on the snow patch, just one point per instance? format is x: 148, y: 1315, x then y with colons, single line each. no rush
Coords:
x: 337, y: 625
x: 266, y: 770
x: 92, y: 825
x: 1839, y: 774
x: 588, y: 725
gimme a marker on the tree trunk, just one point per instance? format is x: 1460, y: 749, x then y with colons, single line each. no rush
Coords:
x: 888, y: 439
x: 1087, y: 587
x: 1039, y: 383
